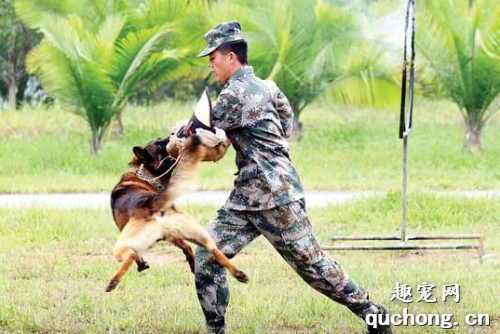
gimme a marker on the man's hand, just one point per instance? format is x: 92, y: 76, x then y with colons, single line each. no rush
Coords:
x: 211, y: 139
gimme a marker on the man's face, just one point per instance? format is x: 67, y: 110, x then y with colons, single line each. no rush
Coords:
x: 221, y: 66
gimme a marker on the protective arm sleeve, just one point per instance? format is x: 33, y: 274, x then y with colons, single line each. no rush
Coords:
x: 216, y: 153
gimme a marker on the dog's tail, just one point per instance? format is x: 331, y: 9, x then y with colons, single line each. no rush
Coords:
x: 184, y: 175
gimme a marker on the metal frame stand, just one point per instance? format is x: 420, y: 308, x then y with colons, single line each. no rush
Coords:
x: 479, y: 247
x: 405, y: 127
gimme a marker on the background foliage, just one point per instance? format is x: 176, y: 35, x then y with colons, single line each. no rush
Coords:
x: 97, y: 55
x: 16, y: 41
x: 93, y: 58
x: 465, y: 57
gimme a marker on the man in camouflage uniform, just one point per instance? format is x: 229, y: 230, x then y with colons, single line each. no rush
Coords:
x: 268, y: 197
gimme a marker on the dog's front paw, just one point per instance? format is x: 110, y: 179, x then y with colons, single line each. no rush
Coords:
x: 112, y: 285
x: 141, y: 266
x: 241, y: 276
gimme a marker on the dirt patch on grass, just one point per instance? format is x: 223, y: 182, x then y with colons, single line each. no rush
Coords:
x: 298, y: 330
x: 306, y: 330
x: 432, y: 256
x: 157, y: 259
x: 89, y: 258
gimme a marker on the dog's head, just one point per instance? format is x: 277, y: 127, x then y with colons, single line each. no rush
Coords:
x: 154, y: 156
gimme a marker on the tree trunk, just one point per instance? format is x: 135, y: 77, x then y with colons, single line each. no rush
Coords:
x: 297, y: 126
x: 12, y: 94
x: 95, y: 143
x: 472, y: 138
x: 118, y: 117
x: 21, y: 87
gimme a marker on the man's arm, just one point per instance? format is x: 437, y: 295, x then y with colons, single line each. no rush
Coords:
x: 283, y: 108
x: 227, y: 110
x: 285, y: 113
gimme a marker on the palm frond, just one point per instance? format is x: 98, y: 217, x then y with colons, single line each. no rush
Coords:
x: 103, y: 43
x: 55, y: 70
x: 32, y: 12
x: 129, y: 60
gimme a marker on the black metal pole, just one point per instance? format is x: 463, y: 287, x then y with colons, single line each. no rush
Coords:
x: 405, y: 125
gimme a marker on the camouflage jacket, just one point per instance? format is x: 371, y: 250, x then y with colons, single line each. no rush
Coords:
x: 257, y: 118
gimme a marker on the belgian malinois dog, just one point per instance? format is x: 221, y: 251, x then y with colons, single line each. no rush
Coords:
x: 143, y: 204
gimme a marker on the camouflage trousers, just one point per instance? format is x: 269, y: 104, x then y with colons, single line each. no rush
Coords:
x: 288, y: 229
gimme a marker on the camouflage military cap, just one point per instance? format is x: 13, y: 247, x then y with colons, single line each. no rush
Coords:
x: 221, y: 34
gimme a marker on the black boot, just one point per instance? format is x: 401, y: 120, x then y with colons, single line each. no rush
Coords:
x: 381, y: 329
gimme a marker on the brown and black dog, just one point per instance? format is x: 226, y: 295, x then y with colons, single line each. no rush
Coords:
x: 143, y: 203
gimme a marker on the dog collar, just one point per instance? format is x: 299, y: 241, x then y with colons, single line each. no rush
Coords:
x: 145, y: 177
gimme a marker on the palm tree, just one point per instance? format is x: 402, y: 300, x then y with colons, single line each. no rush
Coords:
x: 92, y: 59
x: 460, y: 41
x: 307, y: 47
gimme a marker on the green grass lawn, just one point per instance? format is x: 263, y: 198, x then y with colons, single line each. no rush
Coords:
x: 341, y: 148
x: 55, y: 264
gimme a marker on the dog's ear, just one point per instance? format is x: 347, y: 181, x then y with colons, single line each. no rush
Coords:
x: 141, y: 153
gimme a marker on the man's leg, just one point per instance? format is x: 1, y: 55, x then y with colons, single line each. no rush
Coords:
x: 289, y: 231
x: 231, y: 232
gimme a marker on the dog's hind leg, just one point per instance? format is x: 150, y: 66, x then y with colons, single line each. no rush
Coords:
x: 182, y: 226
x: 187, y: 250
x: 209, y: 244
x: 134, y: 240
x: 127, y: 256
